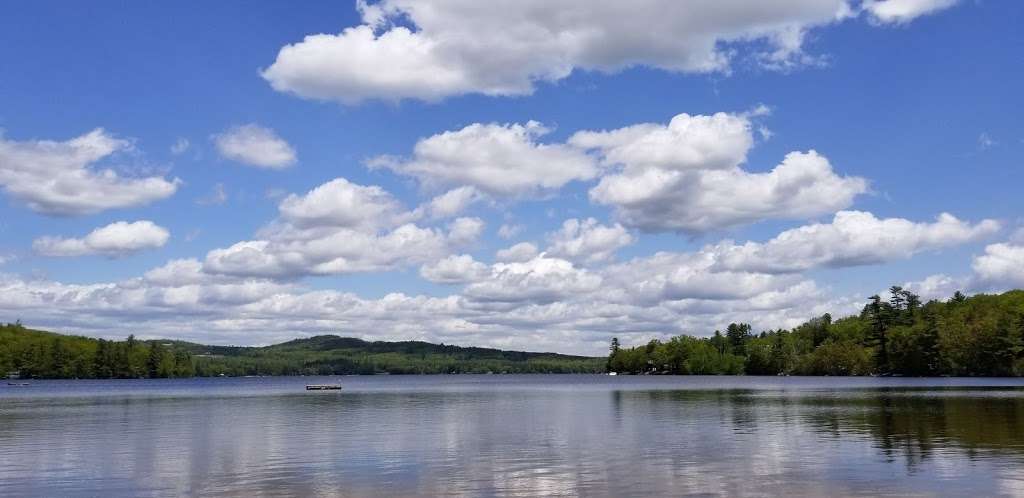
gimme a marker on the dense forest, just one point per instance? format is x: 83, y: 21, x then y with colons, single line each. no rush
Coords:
x: 38, y: 354
x: 981, y: 335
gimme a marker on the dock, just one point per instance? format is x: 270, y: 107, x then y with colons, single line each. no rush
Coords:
x: 322, y: 387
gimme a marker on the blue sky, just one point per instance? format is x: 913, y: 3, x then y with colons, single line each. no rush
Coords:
x: 917, y: 100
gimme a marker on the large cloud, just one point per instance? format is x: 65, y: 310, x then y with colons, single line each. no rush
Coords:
x: 432, y: 49
x: 686, y: 176
x: 256, y: 146
x: 340, y: 227
x: 462, y: 46
x: 502, y: 160
x: 542, y: 279
x: 656, y: 199
x: 669, y: 276
x: 1001, y: 267
x: 683, y: 176
x: 852, y: 238
x: 719, y: 141
x: 57, y: 178
x: 330, y: 252
x: 116, y: 239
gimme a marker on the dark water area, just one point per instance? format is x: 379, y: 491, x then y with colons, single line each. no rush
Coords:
x: 491, y: 435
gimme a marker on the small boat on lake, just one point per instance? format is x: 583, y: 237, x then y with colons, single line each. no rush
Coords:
x: 323, y: 387
x: 19, y: 384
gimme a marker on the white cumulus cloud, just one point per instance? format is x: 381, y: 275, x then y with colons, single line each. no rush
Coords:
x: 657, y: 199
x: 587, y: 241
x: 116, y: 239
x: 903, y: 11
x: 1001, y: 267
x: 341, y: 203
x: 542, y: 279
x: 501, y: 160
x: 432, y: 49
x: 852, y: 238
x: 61, y: 178
x: 449, y: 203
x: 523, y: 251
x: 718, y: 141
x: 340, y: 227
x: 255, y: 145
x: 455, y: 269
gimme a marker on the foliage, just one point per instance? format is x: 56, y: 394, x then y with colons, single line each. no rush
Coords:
x: 38, y: 354
x: 981, y: 335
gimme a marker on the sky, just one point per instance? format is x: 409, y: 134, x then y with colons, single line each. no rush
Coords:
x: 529, y: 175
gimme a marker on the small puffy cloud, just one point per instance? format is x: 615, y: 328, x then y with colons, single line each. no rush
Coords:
x: 341, y: 203
x: 938, y: 286
x: 1001, y: 267
x: 465, y: 231
x: 180, y: 146
x: 656, y: 199
x: 985, y: 141
x: 523, y: 251
x: 539, y: 280
x: 501, y: 160
x: 216, y: 197
x: 904, y: 11
x: 256, y: 146
x: 449, y: 203
x: 177, y: 273
x: 509, y: 230
x: 430, y: 50
x: 587, y: 241
x: 116, y: 239
x: 454, y: 269
x: 60, y: 178
x: 852, y: 238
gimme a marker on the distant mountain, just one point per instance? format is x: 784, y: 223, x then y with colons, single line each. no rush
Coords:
x: 39, y: 354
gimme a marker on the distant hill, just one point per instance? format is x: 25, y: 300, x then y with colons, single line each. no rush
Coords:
x: 41, y: 354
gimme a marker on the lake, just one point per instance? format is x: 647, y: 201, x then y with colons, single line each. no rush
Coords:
x: 498, y: 435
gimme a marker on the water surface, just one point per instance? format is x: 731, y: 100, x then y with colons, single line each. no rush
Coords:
x: 496, y: 435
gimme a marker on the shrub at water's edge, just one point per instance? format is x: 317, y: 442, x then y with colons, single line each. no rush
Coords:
x: 981, y: 335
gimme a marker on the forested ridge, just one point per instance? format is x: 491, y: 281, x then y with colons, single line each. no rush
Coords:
x: 982, y: 335
x: 39, y: 354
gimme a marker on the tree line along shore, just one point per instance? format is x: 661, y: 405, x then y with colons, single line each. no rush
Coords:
x: 981, y: 335
x: 28, y: 353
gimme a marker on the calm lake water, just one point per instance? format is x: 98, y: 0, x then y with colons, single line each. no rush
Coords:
x: 514, y: 436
